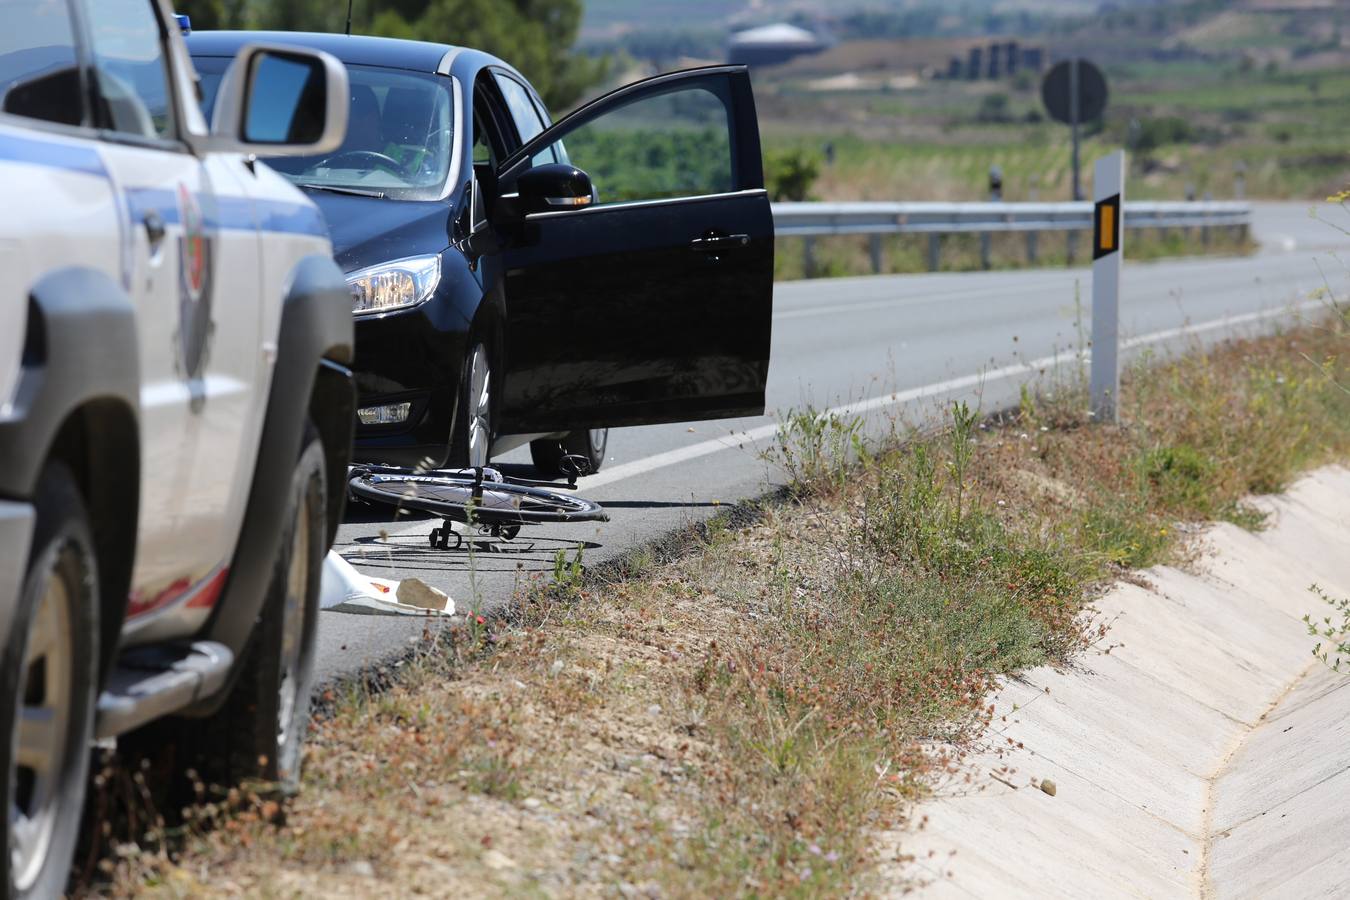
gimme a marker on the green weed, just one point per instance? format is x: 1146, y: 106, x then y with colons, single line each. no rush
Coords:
x: 816, y: 450
x: 1333, y: 630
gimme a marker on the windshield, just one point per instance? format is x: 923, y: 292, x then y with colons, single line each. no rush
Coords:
x: 399, y: 136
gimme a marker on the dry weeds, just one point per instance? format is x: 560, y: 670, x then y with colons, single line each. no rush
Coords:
x: 741, y: 719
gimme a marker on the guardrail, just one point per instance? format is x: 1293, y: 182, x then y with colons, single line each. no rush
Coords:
x: 811, y: 220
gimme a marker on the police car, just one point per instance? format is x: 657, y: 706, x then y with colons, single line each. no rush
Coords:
x: 176, y: 406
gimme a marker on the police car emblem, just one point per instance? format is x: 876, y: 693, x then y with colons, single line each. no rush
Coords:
x: 194, y: 288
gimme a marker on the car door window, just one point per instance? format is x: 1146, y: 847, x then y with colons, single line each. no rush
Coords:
x: 39, y: 69
x: 671, y: 144
x: 523, y: 113
x: 130, y: 69
x: 529, y: 123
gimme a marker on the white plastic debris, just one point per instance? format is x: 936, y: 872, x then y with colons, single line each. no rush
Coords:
x: 344, y: 589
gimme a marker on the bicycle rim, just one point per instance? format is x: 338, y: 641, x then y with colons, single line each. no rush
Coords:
x: 453, y: 497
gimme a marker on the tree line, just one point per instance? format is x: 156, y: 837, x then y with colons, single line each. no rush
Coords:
x: 535, y: 36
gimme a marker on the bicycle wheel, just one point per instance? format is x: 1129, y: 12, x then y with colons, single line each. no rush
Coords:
x: 465, y: 498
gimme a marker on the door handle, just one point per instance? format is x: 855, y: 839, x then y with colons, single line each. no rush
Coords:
x: 154, y: 228
x: 716, y: 243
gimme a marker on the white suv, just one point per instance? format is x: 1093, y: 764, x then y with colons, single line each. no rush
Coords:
x: 175, y: 405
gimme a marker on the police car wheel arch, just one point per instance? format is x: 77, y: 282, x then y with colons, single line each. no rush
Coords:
x: 81, y: 346
x: 315, y: 337
x: 81, y: 372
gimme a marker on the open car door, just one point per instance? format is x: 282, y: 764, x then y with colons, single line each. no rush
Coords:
x: 638, y: 269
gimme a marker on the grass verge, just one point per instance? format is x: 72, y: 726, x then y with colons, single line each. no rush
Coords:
x: 840, y: 256
x: 739, y: 719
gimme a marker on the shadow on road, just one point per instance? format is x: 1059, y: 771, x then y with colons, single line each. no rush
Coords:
x: 660, y: 504
x: 482, y: 555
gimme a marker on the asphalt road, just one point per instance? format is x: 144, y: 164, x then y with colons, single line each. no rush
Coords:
x: 890, y: 346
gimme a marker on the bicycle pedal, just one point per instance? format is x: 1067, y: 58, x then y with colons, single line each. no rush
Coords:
x: 574, y: 466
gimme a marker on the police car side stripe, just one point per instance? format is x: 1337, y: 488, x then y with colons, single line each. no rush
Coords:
x: 51, y: 154
x: 144, y: 200
x: 232, y: 213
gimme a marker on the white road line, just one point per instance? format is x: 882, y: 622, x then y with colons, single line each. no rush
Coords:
x: 860, y: 407
x: 737, y: 440
x: 783, y: 310
x: 1168, y: 334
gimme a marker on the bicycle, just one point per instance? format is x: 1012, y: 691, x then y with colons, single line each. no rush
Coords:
x: 480, y: 497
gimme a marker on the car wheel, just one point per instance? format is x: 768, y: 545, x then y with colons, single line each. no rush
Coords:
x: 263, y: 725
x: 50, y: 680
x: 471, y: 443
x: 591, y: 444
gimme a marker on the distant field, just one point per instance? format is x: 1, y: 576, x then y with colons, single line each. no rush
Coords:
x: 1196, y: 125
x: 624, y: 14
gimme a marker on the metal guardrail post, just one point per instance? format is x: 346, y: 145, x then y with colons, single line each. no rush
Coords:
x: 874, y: 250
x: 1031, y: 247
x: 934, y: 251
x: 995, y: 195
x: 809, y: 256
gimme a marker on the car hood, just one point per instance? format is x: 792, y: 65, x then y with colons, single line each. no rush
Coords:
x: 367, y: 231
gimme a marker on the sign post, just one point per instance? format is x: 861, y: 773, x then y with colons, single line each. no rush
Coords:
x: 1074, y: 92
x: 1108, y: 253
x: 1075, y: 118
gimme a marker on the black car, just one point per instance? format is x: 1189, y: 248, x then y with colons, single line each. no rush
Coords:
x: 518, y: 281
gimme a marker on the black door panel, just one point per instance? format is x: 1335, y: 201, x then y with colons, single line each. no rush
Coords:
x: 656, y: 304
x: 618, y: 317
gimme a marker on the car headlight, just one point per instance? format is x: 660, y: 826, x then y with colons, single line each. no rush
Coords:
x: 394, y: 285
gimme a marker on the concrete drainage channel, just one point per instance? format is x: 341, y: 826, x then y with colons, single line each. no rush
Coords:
x: 1198, y: 751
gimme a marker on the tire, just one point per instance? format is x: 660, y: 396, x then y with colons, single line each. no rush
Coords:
x: 44, y: 785
x: 591, y: 444
x: 475, y: 415
x: 261, y: 728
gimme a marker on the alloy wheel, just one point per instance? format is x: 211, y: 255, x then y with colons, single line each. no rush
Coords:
x: 293, y: 628
x: 41, y: 733
x: 599, y: 440
x: 480, y: 407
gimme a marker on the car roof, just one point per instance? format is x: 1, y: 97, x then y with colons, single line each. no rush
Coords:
x: 356, y: 50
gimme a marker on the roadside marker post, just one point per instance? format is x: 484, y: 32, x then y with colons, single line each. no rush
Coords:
x: 1108, y: 253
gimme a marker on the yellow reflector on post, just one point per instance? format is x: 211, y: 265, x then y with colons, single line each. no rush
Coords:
x: 1106, y: 227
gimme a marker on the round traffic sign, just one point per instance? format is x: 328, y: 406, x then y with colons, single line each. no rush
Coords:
x: 1057, y: 91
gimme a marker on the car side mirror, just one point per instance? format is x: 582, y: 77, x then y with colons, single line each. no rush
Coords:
x: 281, y: 101
x: 549, y: 188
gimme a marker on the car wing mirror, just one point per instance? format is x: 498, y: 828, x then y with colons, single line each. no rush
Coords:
x: 281, y: 101
x: 555, y: 187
